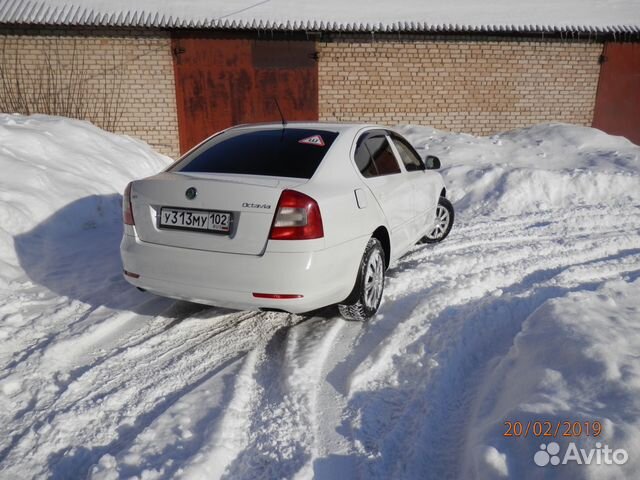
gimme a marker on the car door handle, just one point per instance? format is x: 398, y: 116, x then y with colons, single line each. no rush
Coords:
x: 361, y: 198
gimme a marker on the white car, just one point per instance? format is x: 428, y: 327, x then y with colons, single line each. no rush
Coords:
x: 289, y: 217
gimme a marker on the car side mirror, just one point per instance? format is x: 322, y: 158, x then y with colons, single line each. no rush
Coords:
x: 432, y: 162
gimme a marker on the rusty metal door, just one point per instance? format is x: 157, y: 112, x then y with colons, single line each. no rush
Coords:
x: 617, y: 109
x: 222, y: 82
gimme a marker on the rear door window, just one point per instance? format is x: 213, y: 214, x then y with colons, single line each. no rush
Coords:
x: 409, y: 156
x: 374, y: 156
x: 278, y: 152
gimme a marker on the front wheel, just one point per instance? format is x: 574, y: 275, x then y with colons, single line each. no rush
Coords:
x: 366, y: 296
x: 443, y: 223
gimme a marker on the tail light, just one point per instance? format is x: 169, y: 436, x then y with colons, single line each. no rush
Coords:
x: 297, y: 218
x: 127, y: 210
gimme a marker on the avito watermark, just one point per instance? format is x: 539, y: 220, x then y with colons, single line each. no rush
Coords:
x: 549, y: 454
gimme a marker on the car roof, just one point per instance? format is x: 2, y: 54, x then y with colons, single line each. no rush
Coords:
x: 338, y: 127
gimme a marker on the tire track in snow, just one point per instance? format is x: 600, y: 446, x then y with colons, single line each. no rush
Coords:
x: 454, y: 279
x: 387, y: 403
x: 285, y: 423
x: 215, y: 433
x: 112, y: 400
x: 231, y: 435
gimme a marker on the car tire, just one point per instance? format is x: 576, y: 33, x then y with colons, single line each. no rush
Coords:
x: 364, y: 301
x: 444, y: 221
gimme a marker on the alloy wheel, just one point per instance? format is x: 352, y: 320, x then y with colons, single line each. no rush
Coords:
x: 374, y: 280
x: 442, y: 223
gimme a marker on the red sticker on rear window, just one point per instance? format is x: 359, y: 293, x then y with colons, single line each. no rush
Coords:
x: 313, y: 140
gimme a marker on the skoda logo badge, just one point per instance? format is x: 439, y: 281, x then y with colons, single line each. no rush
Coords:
x: 191, y: 193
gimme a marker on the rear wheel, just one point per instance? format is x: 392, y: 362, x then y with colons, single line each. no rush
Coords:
x: 443, y: 223
x: 366, y: 296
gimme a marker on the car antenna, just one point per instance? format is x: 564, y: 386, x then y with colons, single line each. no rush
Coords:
x: 284, y: 122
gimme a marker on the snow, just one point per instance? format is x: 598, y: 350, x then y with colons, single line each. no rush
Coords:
x: 48, y: 163
x: 528, y: 311
x: 575, y: 358
x: 358, y: 14
x: 536, y: 168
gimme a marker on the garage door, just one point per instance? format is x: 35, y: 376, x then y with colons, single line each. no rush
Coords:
x: 617, y: 108
x: 222, y: 82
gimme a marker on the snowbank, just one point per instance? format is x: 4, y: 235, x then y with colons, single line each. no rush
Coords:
x: 542, y: 167
x: 49, y: 162
x: 576, y: 360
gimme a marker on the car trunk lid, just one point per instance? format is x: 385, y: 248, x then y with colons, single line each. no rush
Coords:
x: 250, y: 200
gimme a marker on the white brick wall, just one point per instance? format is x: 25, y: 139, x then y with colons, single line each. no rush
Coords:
x: 134, y: 66
x: 479, y: 86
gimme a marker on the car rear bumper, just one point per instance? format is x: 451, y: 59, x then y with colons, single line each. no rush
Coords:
x: 230, y: 280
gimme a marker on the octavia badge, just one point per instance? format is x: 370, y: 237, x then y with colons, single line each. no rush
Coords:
x: 191, y: 193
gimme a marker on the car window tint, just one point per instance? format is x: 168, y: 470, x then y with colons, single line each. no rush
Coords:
x: 383, y: 157
x: 374, y: 157
x: 410, y: 158
x: 364, y: 162
x: 289, y: 152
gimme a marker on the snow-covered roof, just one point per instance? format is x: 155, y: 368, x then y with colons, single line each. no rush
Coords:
x: 517, y: 16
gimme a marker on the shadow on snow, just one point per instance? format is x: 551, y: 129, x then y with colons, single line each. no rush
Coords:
x: 75, y: 253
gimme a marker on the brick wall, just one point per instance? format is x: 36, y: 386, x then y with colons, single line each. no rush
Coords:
x: 122, y: 79
x: 480, y: 86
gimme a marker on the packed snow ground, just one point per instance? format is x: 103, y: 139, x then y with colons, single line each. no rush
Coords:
x: 528, y: 311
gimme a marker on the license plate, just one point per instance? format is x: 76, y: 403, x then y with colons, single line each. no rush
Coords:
x: 201, y: 220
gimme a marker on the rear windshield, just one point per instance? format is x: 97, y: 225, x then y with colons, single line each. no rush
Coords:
x: 278, y: 152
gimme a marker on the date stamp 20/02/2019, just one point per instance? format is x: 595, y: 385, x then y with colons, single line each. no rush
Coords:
x: 552, y: 429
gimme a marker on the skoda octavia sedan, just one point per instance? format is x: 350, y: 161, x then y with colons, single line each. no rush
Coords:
x: 288, y: 217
